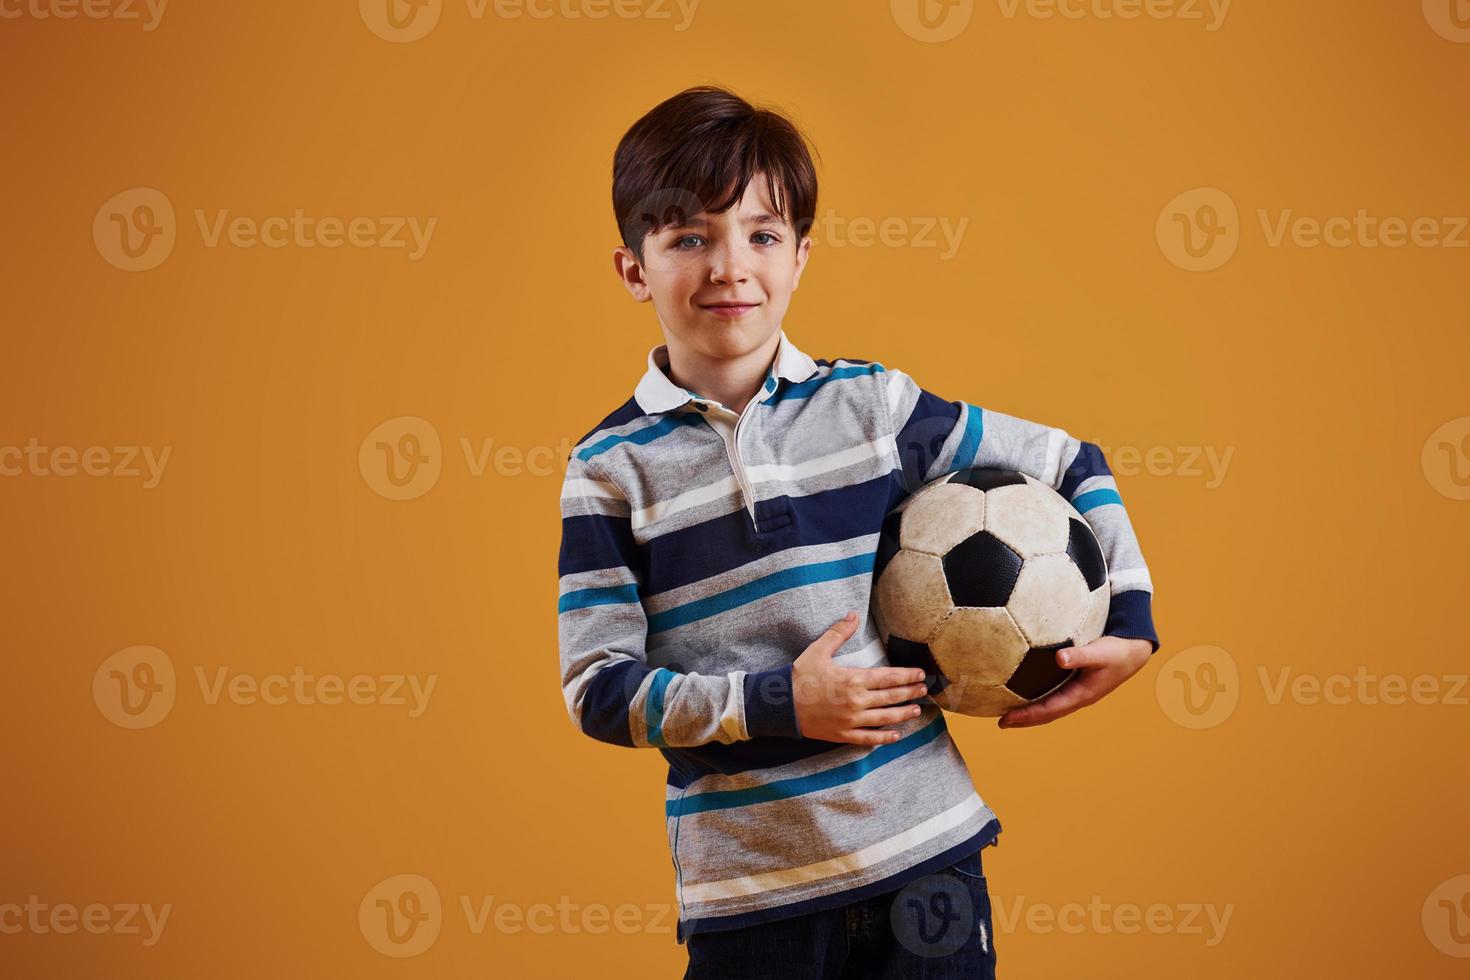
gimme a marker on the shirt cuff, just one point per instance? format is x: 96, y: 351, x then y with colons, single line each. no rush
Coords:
x: 1130, y: 615
x: 770, y: 708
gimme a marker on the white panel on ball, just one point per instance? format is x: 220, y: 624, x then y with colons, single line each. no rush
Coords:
x: 1050, y: 600
x: 1031, y: 522
x: 912, y: 596
x: 942, y: 518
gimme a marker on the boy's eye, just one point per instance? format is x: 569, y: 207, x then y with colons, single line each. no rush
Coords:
x: 687, y: 242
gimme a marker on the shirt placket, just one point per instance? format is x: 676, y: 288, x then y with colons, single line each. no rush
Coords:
x: 732, y: 428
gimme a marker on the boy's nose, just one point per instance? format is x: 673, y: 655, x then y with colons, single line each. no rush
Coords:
x: 727, y: 266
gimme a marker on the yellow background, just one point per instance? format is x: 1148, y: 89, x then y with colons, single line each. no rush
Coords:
x: 1328, y: 545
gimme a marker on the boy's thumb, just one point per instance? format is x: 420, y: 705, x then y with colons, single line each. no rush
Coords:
x: 837, y: 634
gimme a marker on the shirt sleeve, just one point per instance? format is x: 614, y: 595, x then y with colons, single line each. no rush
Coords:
x: 611, y: 691
x: 934, y: 437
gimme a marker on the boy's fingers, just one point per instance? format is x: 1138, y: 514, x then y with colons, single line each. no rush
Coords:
x: 876, y: 717
x: 1073, y: 695
x: 896, y: 695
x: 868, y: 736
x: 878, y: 678
x: 837, y: 634
x: 1086, y: 655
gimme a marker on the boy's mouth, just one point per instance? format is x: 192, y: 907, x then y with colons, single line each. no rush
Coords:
x: 729, y: 309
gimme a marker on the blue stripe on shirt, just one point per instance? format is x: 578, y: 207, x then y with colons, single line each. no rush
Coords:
x: 590, y: 542
x: 604, y: 711
x: 620, y: 416
x: 641, y: 437
x: 1096, y: 498
x: 721, y: 544
x: 922, y: 438
x: 804, y: 389
x: 964, y: 456
x: 1088, y: 462
x: 653, y: 713
x: 602, y: 596
x: 766, y: 585
x: 785, y: 789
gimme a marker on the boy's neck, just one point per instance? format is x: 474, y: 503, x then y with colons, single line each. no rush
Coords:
x: 731, y: 381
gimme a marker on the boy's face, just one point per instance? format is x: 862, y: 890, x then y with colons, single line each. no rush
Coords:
x: 720, y: 283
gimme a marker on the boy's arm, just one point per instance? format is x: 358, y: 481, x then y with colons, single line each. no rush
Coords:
x: 611, y: 692
x: 935, y: 437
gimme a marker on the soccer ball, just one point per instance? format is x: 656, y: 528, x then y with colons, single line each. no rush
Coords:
x: 981, y: 577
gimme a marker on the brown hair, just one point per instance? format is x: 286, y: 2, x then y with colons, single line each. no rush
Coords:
x: 697, y: 151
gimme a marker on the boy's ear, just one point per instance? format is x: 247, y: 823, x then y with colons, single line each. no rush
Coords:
x: 630, y: 273
x: 803, y: 252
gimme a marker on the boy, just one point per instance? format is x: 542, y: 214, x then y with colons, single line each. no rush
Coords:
x: 716, y: 528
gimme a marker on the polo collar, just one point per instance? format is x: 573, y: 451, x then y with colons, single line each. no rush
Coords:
x: 656, y: 392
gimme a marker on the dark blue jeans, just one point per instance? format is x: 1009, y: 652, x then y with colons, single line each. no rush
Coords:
x: 936, y: 927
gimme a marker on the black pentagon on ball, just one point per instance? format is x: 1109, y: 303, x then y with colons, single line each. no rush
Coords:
x: 887, y: 543
x: 1083, y: 549
x: 981, y: 571
x: 987, y: 477
x: 1038, y: 673
x: 908, y: 653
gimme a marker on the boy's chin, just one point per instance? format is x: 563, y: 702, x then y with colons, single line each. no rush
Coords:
x: 726, y: 339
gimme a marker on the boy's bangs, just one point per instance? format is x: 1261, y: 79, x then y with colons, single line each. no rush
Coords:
x: 709, y: 180
x: 697, y: 153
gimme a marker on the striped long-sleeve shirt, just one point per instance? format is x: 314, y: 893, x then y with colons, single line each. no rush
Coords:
x: 703, y: 549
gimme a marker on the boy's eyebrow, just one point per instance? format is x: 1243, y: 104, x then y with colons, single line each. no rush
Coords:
x: 756, y: 219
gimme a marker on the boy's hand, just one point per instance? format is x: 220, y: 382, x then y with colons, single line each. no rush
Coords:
x: 1105, y: 663
x: 848, y: 704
